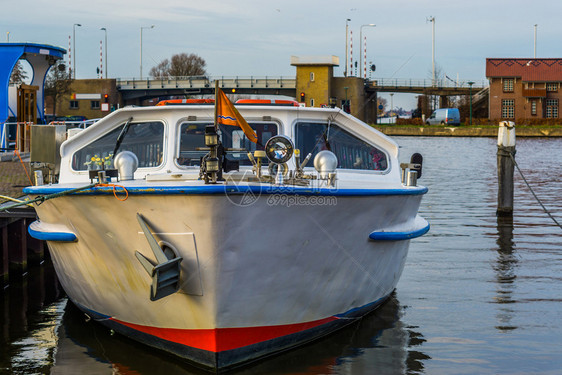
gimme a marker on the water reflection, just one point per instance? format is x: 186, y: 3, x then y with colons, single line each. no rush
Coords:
x: 505, y: 267
x: 379, y: 342
x: 29, y: 314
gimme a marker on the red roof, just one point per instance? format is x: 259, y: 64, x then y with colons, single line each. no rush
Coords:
x: 529, y: 70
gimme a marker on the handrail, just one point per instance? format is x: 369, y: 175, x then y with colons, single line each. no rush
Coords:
x: 426, y: 83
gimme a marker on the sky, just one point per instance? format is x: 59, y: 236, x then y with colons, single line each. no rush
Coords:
x: 258, y: 37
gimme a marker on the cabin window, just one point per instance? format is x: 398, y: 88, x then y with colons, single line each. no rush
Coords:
x: 352, y: 152
x: 144, y: 139
x: 192, y: 136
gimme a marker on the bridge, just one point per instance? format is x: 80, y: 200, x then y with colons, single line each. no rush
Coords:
x: 135, y: 89
x: 132, y: 89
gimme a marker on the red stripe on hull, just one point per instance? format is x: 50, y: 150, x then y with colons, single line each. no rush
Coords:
x: 220, y: 339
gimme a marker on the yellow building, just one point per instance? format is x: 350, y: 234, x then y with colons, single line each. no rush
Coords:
x: 317, y: 87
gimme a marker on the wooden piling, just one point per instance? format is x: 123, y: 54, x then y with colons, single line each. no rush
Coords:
x: 4, y: 262
x: 17, y: 246
x: 506, y: 166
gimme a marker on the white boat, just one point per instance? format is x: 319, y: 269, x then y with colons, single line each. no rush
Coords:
x: 227, y: 264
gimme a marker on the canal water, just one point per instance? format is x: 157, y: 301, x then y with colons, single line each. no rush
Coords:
x: 479, y: 295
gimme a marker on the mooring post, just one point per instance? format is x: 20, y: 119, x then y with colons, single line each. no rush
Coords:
x: 17, y: 244
x: 506, y: 165
x: 4, y: 265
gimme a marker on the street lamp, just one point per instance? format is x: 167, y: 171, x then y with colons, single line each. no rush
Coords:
x: 361, y: 43
x: 143, y: 27
x: 74, y: 48
x: 470, y: 94
x: 536, y: 40
x: 346, y: 44
x: 105, y: 30
x: 432, y: 20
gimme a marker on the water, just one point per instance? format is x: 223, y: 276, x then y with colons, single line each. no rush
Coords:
x: 478, y: 295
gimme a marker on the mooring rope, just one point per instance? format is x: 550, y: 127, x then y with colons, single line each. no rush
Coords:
x: 532, y: 192
x: 43, y: 198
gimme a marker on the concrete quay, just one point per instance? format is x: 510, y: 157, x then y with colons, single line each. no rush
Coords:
x: 465, y: 131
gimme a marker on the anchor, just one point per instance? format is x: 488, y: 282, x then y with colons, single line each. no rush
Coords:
x: 165, y: 273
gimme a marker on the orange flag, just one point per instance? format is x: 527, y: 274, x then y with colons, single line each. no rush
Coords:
x: 228, y: 115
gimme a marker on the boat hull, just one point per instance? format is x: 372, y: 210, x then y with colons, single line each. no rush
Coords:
x: 256, y: 278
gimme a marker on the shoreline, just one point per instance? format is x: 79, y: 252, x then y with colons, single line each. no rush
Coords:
x: 462, y: 131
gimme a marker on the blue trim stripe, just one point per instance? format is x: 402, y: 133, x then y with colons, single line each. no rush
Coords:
x: 398, y: 236
x: 52, y: 236
x: 230, y: 189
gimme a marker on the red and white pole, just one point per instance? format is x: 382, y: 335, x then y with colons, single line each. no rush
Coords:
x: 365, y: 59
x: 351, y: 52
x: 69, y: 56
x: 101, y: 60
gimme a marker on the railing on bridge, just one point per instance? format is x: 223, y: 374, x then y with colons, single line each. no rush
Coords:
x: 207, y: 82
x: 425, y: 83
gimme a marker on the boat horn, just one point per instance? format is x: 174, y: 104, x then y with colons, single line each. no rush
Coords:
x: 166, y: 272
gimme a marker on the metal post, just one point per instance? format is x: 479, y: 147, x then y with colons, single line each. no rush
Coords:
x: 506, y: 164
x: 142, y: 27
x: 535, y: 55
x: 470, y: 94
x: 432, y: 20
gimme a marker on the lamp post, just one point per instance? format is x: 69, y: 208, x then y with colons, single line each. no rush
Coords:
x: 470, y: 94
x: 143, y: 27
x: 74, y: 48
x: 361, y: 43
x: 535, y: 41
x: 346, y: 44
x: 105, y: 30
x: 432, y: 20
x: 391, y: 104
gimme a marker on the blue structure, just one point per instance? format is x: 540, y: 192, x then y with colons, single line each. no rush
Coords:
x: 41, y: 57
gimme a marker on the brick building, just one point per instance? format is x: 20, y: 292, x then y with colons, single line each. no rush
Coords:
x: 522, y: 89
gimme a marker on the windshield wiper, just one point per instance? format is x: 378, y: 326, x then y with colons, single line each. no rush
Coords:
x: 122, y: 136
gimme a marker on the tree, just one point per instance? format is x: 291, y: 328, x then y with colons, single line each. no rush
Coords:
x: 18, y: 74
x: 57, y: 83
x: 180, y: 65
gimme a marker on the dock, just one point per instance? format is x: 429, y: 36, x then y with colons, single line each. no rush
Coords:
x: 17, y: 247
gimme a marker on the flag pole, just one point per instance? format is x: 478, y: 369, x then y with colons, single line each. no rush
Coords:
x: 216, y: 102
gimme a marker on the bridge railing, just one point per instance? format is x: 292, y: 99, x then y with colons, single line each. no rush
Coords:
x: 409, y: 82
x: 206, y: 82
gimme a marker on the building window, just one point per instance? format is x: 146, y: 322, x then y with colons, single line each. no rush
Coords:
x: 534, y: 107
x: 74, y: 104
x: 552, y: 87
x: 551, y: 108
x: 95, y: 104
x: 312, y: 102
x: 312, y: 77
x: 508, y: 108
x: 508, y: 85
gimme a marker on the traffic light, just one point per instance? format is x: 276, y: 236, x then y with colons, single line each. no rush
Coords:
x: 302, y: 97
x: 106, y: 98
